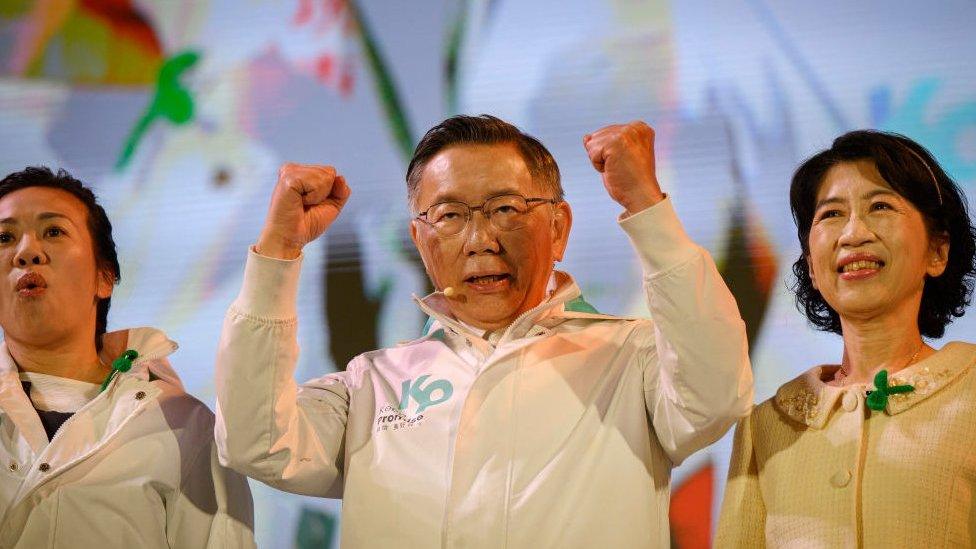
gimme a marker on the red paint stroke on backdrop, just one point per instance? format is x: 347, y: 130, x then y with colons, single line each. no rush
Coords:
x: 126, y: 22
x: 691, y: 510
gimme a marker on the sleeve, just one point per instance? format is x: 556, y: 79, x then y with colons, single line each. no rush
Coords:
x: 268, y: 428
x: 212, y: 508
x: 742, y: 522
x: 697, y: 376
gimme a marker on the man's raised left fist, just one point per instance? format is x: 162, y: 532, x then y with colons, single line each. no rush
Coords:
x: 624, y: 156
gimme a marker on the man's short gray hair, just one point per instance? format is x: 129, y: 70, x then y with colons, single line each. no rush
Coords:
x: 483, y: 130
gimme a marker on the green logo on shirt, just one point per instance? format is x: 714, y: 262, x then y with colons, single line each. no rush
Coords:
x: 424, y: 395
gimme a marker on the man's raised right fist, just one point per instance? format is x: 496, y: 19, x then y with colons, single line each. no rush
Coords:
x: 306, y: 200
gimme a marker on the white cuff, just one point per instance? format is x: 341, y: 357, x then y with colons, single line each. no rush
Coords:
x: 270, y: 287
x: 659, y: 238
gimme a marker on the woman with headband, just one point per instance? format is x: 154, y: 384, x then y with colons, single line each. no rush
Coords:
x: 880, y: 448
x: 99, y: 445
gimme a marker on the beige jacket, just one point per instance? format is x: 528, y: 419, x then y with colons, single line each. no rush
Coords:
x: 813, y: 467
x: 562, y: 432
x: 134, y: 468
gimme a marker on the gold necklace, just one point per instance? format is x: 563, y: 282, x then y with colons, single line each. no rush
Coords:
x: 843, y: 374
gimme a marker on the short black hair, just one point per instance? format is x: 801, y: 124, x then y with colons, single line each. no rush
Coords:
x: 483, y: 130
x: 914, y: 174
x: 100, y: 228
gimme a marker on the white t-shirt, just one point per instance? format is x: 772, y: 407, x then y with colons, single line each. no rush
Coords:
x: 59, y: 394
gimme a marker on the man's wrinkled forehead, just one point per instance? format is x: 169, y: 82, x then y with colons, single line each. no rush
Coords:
x: 472, y: 173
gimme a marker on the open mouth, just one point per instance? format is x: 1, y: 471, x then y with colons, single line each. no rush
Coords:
x: 861, y: 265
x: 486, y: 279
x: 488, y: 282
x: 31, y: 284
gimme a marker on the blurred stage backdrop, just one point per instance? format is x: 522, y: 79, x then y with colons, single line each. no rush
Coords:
x: 178, y: 112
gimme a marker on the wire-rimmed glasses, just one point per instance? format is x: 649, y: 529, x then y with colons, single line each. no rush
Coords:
x: 505, y: 212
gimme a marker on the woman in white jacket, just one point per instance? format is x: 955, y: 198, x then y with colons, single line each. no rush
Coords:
x: 99, y: 444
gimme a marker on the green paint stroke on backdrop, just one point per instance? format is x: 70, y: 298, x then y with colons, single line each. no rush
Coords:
x: 389, y: 95
x: 452, y: 56
x: 315, y: 529
x: 171, y: 101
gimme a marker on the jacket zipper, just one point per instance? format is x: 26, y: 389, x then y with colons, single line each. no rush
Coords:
x: 101, y: 444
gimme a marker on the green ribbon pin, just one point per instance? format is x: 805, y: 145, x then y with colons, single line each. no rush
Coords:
x: 878, y: 399
x: 121, y: 364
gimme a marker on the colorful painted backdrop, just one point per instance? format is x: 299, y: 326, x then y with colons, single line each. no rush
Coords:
x: 180, y: 111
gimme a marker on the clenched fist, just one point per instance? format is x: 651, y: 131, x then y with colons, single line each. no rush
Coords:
x: 306, y: 200
x: 624, y: 155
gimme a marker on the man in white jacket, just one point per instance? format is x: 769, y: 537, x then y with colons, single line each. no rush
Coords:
x: 523, y: 418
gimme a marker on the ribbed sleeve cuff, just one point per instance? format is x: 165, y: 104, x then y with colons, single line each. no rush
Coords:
x: 270, y: 287
x: 658, y: 237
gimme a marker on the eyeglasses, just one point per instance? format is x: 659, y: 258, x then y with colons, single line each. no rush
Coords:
x: 505, y: 213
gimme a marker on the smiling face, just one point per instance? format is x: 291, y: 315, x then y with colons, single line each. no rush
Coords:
x: 51, y: 283
x: 869, y: 248
x: 497, y: 274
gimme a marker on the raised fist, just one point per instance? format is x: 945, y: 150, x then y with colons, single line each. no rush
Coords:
x: 306, y: 200
x: 624, y: 156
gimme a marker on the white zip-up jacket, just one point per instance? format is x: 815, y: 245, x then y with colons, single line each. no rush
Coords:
x: 562, y: 432
x: 135, y: 467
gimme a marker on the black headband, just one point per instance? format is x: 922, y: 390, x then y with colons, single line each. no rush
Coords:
x: 938, y: 190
